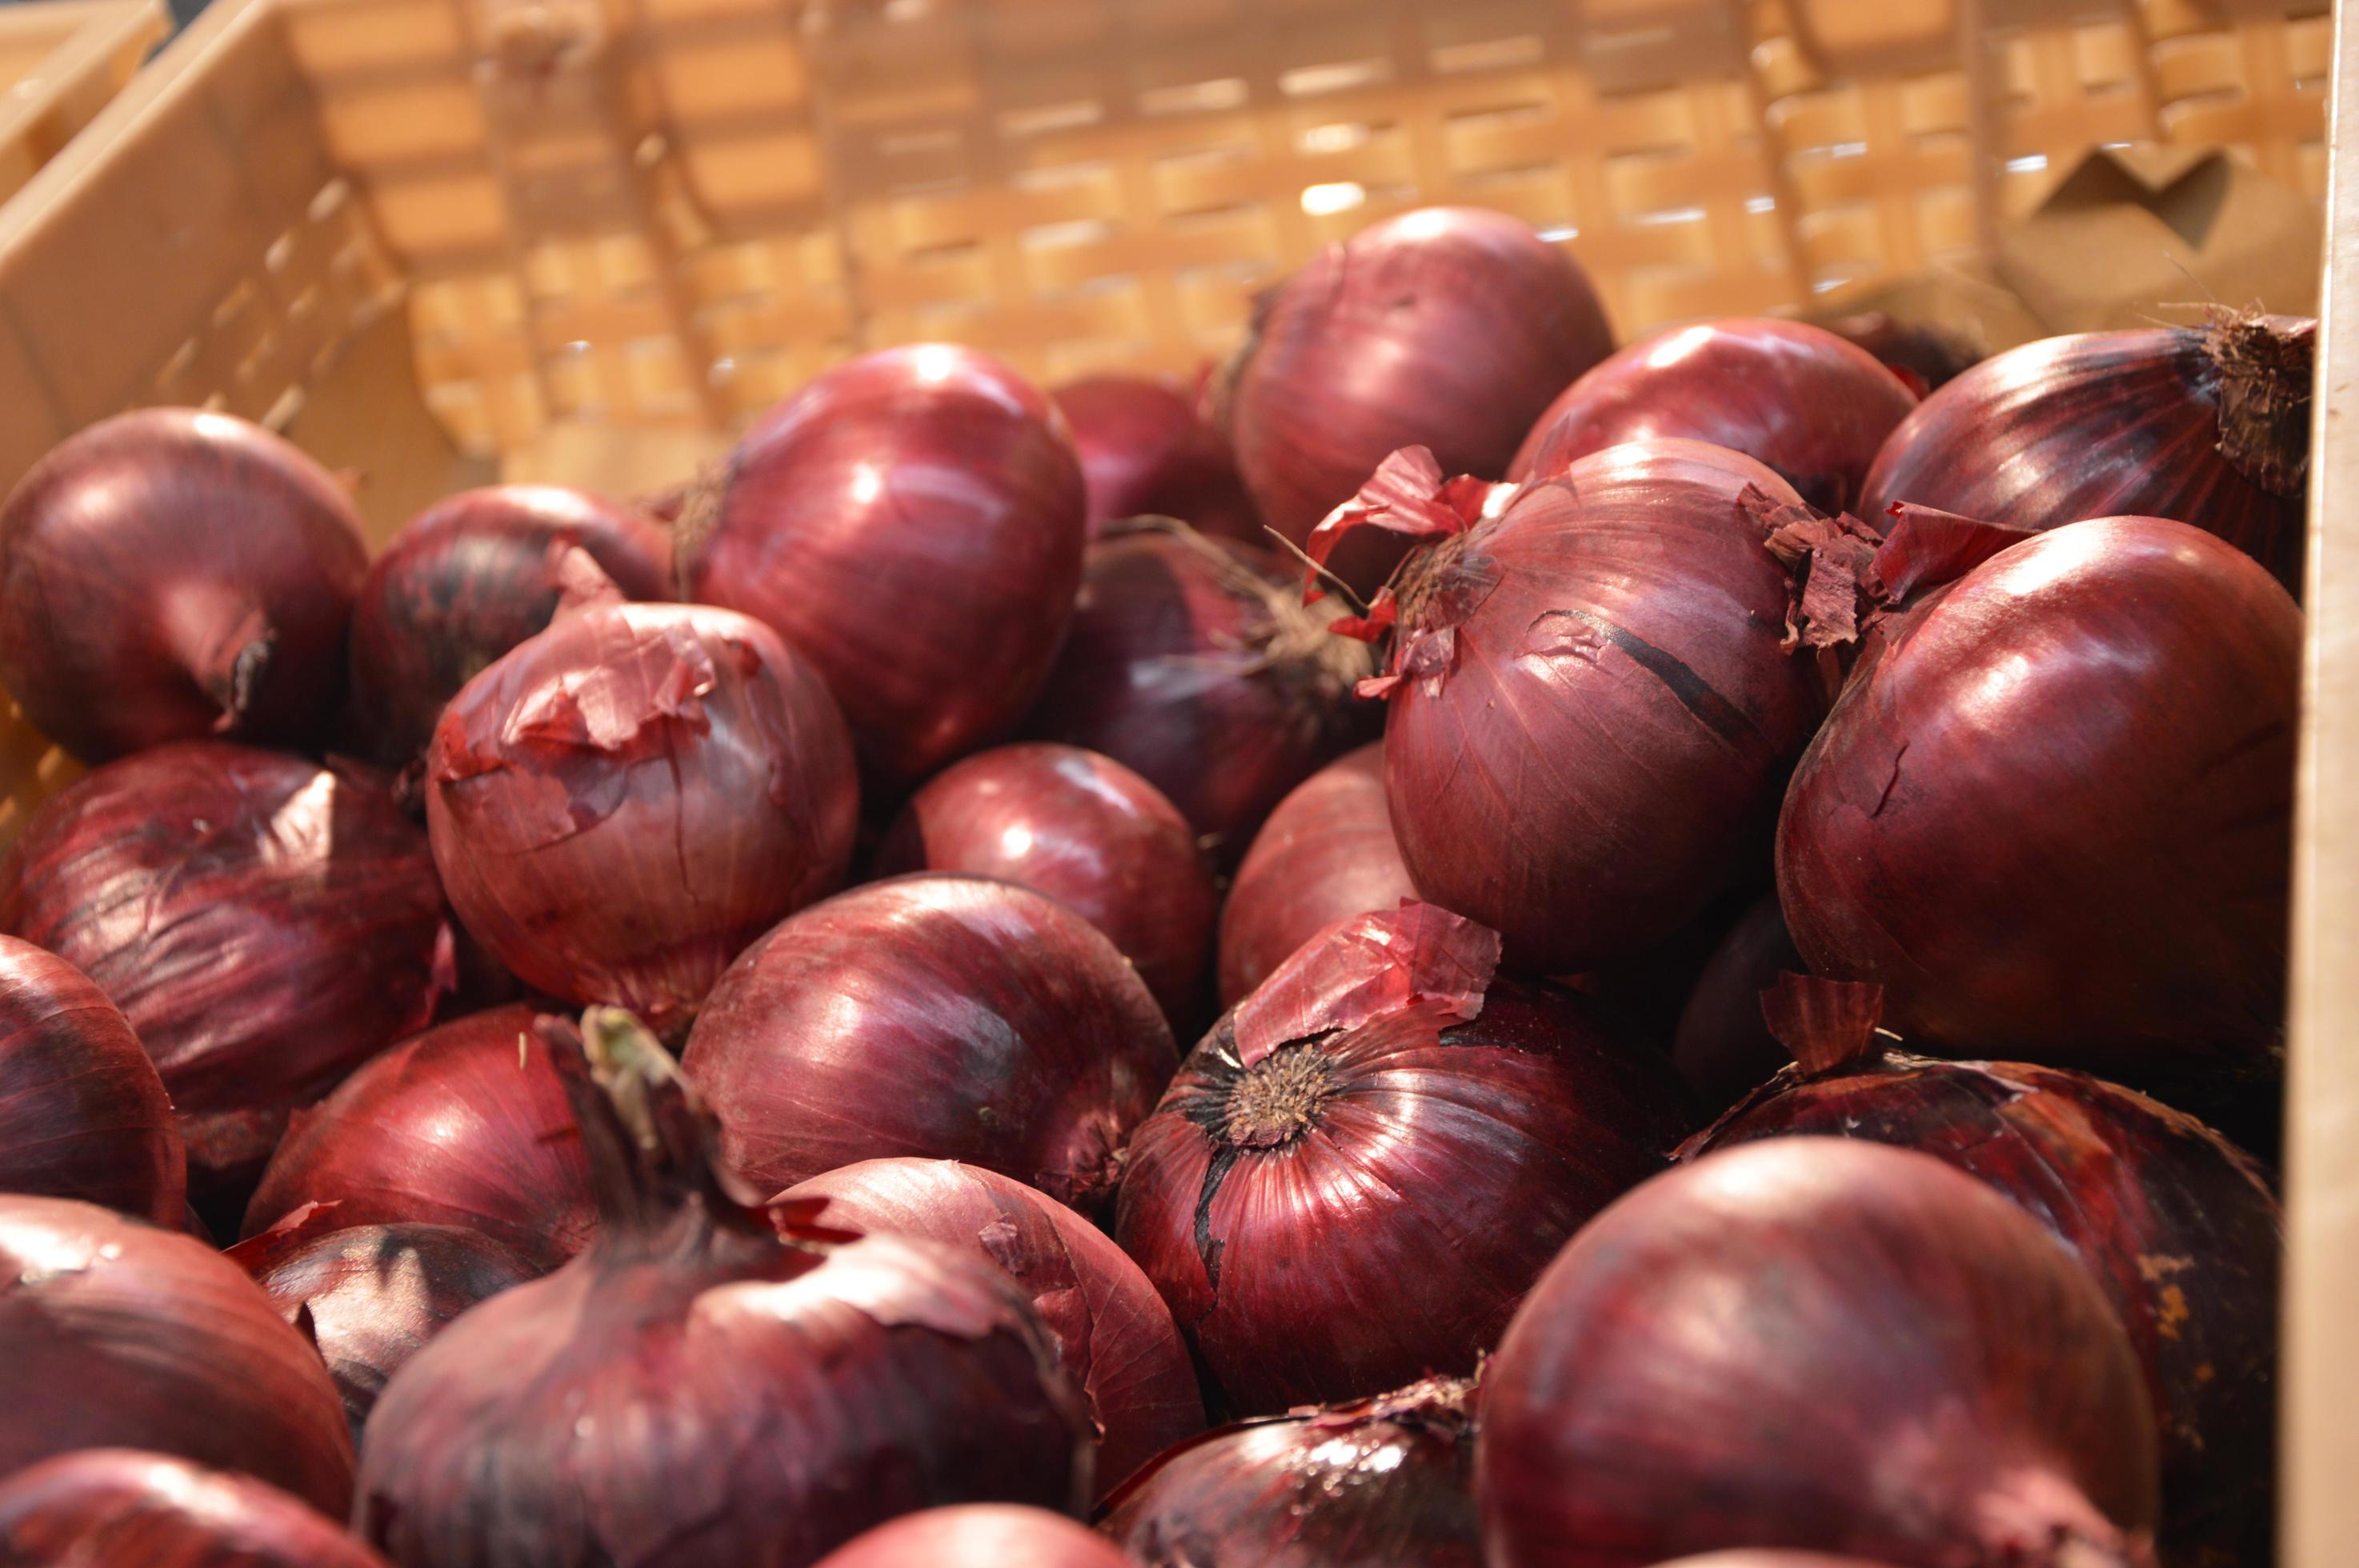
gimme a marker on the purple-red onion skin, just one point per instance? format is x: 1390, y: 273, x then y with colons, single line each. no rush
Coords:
x: 1816, y: 1343
x: 912, y: 523
x: 942, y: 1017
x: 264, y: 923
x: 1146, y: 452
x: 465, y: 1125
x: 2053, y: 819
x: 1114, y: 1338
x: 1925, y: 357
x: 467, y: 580
x: 1748, y: 1558
x: 171, y: 573
x: 1793, y: 396
x: 977, y: 1535
x: 1722, y: 1046
x: 82, y: 1114
x: 113, y: 1333
x: 624, y: 802
x: 1086, y: 831
x: 99, y: 1506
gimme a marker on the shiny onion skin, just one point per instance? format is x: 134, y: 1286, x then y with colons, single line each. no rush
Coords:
x: 1720, y: 1044
x: 82, y: 1114
x: 1326, y: 853
x: 912, y: 523
x: 977, y: 1535
x: 1146, y: 452
x: 465, y: 1125
x: 1088, y: 832
x: 264, y: 923
x: 942, y: 1017
x: 695, y: 1389
x: 621, y: 803
x: 168, y: 574
x: 1114, y: 1338
x: 115, y: 1333
x: 2206, y: 425
x: 2052, y: 819
x: 1823, y: 1345
x: 1748, y: 1558
x: 120, y: 1506
x: 467, y: 580
x: 1379, y: 1483
x: 1793, y: 396
x: 1427, y: 1134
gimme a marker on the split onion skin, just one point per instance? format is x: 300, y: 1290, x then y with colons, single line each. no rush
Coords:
x: 1823, y: 1345
x: 912, y: 523
x: 170, y: 574
x: 1720, y: 1044
x: 977, y: 1535
x: 82, y: 1114
x: 122, y: 1506
x: 1147, y: 451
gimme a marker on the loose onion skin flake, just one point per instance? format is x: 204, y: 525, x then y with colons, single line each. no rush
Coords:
x: 977, y: 1535
x: 1146, y: 451
x: 121, y: 1505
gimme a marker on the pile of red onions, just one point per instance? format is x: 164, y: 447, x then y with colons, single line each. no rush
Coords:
x: 945, y: 1017
x: 264, y: 923
x: 1363, y: 1167
x: 912, y: 523
x: 977, y: 1535
x: 1817, y: 1344
x: 121, y: 1505
x: 1086, y: 831
x: 1722, y: 1046
x: 694, y: 1388
x: 1146, y: 452
x: 172, y: 573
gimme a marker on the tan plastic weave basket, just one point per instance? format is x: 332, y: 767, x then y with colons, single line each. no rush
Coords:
x: 60, y: 62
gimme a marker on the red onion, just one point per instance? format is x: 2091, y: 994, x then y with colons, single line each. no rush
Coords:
x: 977, y: 1535
x: 1194, y: 662
x: 1793, y: 396
x: 911, y: 523
x: 1378, y: 1484
x: 467, y: 580
x: 1749, y: 1558
x: 1721, y: 1046
x: 114, y: 1333
x: 172, y: 573
x: 951, y: 1018
x: 1823, y: 1345
x: 1114, y: 1338
x: 1146, y: 451
x: 1326, y: 853
x: 264, y: 923
x: 120, y: 1506
x: 2209, y: 426
x: 1086, y: 831
x: 82, y: 1114
x: 621, y: 803
x: 465, y: 1125
x: 1427, y: 1135
x: 1925, y: 357
x: 694, y: 1389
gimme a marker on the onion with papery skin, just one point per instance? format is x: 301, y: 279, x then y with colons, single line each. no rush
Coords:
x: 2205, y: 426
x: 172, y: 573
x: 1427, y: 1134
x: 1376, y: 1484
x: 466, y: 1125
x: 467, y: 580
x: 977, y: 1535
x: 125, y: 1507
x: 1326, y: 853
x: 943, y: 1017
x: 912, y: 523
x: 82, y: 1114
x: 264, y: 923
x: 1146, y: 451
x: 1721, y: 1046
x: 1086, y: 831
x: 694, y: 1389
x: 114, y: 1333
x: 1790, y: 396
x: 1115, y: 1336
x: 1818, y: 1343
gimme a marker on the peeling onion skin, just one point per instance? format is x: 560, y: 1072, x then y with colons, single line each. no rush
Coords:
x: 264, y: 924
x: 912, y: 523
x: 1088, y: 832
x: 2053, y: 820
x: 1115, y: 1336
x: 113, y: 1333
x: 940, y: 1017
x: 2174, y: 1222
x: 1823, y: 1345
x: 465, y: 1125
x: 123, y: 1506
x: 170, y: 574
x: 1722, y: 1046
x: 82, y: 1114
x: 1146, y: 451
x: 977, y: 1535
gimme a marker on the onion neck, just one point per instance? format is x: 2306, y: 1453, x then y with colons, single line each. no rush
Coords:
x: 2265, y: 365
